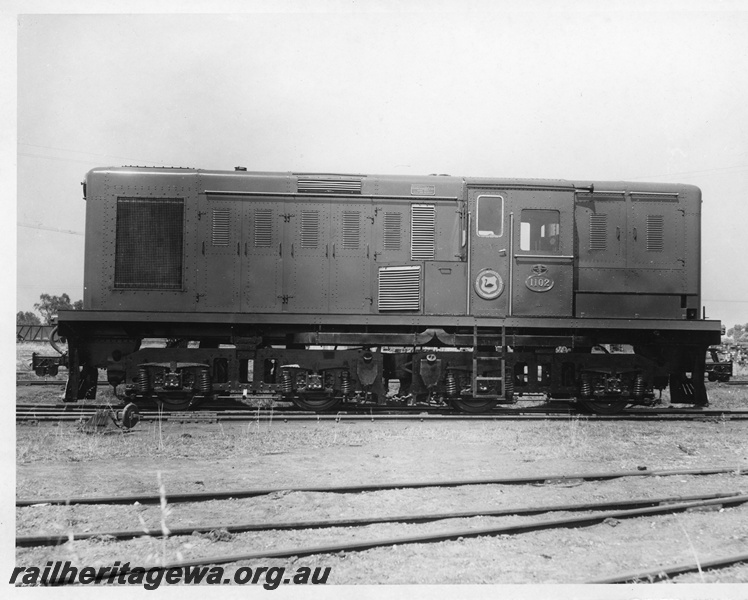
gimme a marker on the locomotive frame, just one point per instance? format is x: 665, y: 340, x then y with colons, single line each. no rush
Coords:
x: 367, y: 289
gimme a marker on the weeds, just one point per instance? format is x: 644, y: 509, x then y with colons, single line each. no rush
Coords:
x: 577, y: 438
x: 690, y: 545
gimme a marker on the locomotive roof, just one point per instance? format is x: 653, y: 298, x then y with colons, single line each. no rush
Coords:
x: 448, y: 184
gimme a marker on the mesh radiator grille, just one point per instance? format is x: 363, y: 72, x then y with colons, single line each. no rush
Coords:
x: 148, y: 250
x: 399, y: 288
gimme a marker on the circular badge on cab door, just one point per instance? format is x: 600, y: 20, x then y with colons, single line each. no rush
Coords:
x: 488, y: 284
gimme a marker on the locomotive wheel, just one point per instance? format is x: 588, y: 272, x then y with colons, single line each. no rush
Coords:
x: 175, y: 403
x: 474, y: 405
x: 316, y: 403
x: 605, y: 407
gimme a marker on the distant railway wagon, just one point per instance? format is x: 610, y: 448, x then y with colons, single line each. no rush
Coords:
x: 374, y: 289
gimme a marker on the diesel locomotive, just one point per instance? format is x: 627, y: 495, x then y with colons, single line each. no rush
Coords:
x: 329, y: 289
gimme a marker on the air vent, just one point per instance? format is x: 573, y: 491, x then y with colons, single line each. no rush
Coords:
x: 263, y: 228
x: 655, y: 233
x: 399, y: 288
x: 598, y: 232
x: 392, y: 236
x: 329, y: 186
x: 309, y: 228
x: 149, y: 243
x: 220, y: 227
x: 351, y: 230
x: 422, y: 231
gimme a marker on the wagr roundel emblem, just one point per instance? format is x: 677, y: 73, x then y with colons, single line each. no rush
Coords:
x: 488, y: 284
x: 538, y: 280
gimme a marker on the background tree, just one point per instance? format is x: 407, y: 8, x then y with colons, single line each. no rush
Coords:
x: 49, y: 305
x: 27, y: 318
x: 736, y: 332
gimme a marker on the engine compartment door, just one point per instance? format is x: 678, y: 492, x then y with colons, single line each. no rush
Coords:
x: 489, y: 249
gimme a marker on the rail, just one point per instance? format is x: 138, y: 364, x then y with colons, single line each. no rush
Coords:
x: 53, y: 540
x: 369, y: 487
x: 452, y: 535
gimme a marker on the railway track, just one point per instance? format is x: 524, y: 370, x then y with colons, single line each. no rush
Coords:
x: 104, y: 383
x: 345, y: 489
x: 595, y: 513
x: 229, y: 413
x: 52, y: 540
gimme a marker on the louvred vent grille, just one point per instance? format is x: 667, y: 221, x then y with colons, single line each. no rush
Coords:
x: 655, y: 233
x: 309, y: 228
x: 329, y: 186
x: 263, y: 228
x: 220, y: 235
x: 598, y: 232
x: 422, y: 231
x: 351, y: 230
x: 399, y: 288
x: 392, y: 235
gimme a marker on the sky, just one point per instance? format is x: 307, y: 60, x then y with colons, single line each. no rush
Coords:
x: 643, y: 91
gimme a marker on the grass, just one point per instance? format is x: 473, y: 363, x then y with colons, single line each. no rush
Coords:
x: 577, y: 438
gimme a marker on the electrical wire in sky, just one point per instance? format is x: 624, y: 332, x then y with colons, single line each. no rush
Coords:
x: 134, y: 160
x: 70, y: 231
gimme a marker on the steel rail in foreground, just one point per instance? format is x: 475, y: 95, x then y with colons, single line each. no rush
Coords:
x: 667, y: 571
x: 454, y: 534
x: 53, y: 540
x: 369, y: 487
x: 197, y: 418
x: 221, y: 413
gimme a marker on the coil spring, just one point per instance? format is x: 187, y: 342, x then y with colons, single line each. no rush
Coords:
x: 450, y: 384
x: 586, y: 386
x: 639, y: 386
x: 346, y: 385
x: 143, y: 384
x: 203, y: 381
x: 509, y: 383
x: 286, y: 383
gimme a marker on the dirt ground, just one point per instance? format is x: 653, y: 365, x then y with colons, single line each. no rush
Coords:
x: 58, y: 461
x: 54, y: 461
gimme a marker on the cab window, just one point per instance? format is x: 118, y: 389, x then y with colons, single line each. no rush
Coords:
x: 490, y: 221
x: 539, y: 231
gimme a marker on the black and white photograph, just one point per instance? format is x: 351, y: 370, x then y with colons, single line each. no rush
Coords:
x: 377, y: 298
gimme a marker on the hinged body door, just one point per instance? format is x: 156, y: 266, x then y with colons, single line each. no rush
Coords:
x: 306, y: 257
x: 350, y: 255
x: 543, y: 261
x: 262, y: 273
x: 220, y: 248
x: 489, y: 248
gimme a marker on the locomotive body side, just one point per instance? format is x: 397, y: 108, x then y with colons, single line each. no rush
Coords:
x: 261, y: 269
x: 639, y: 252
